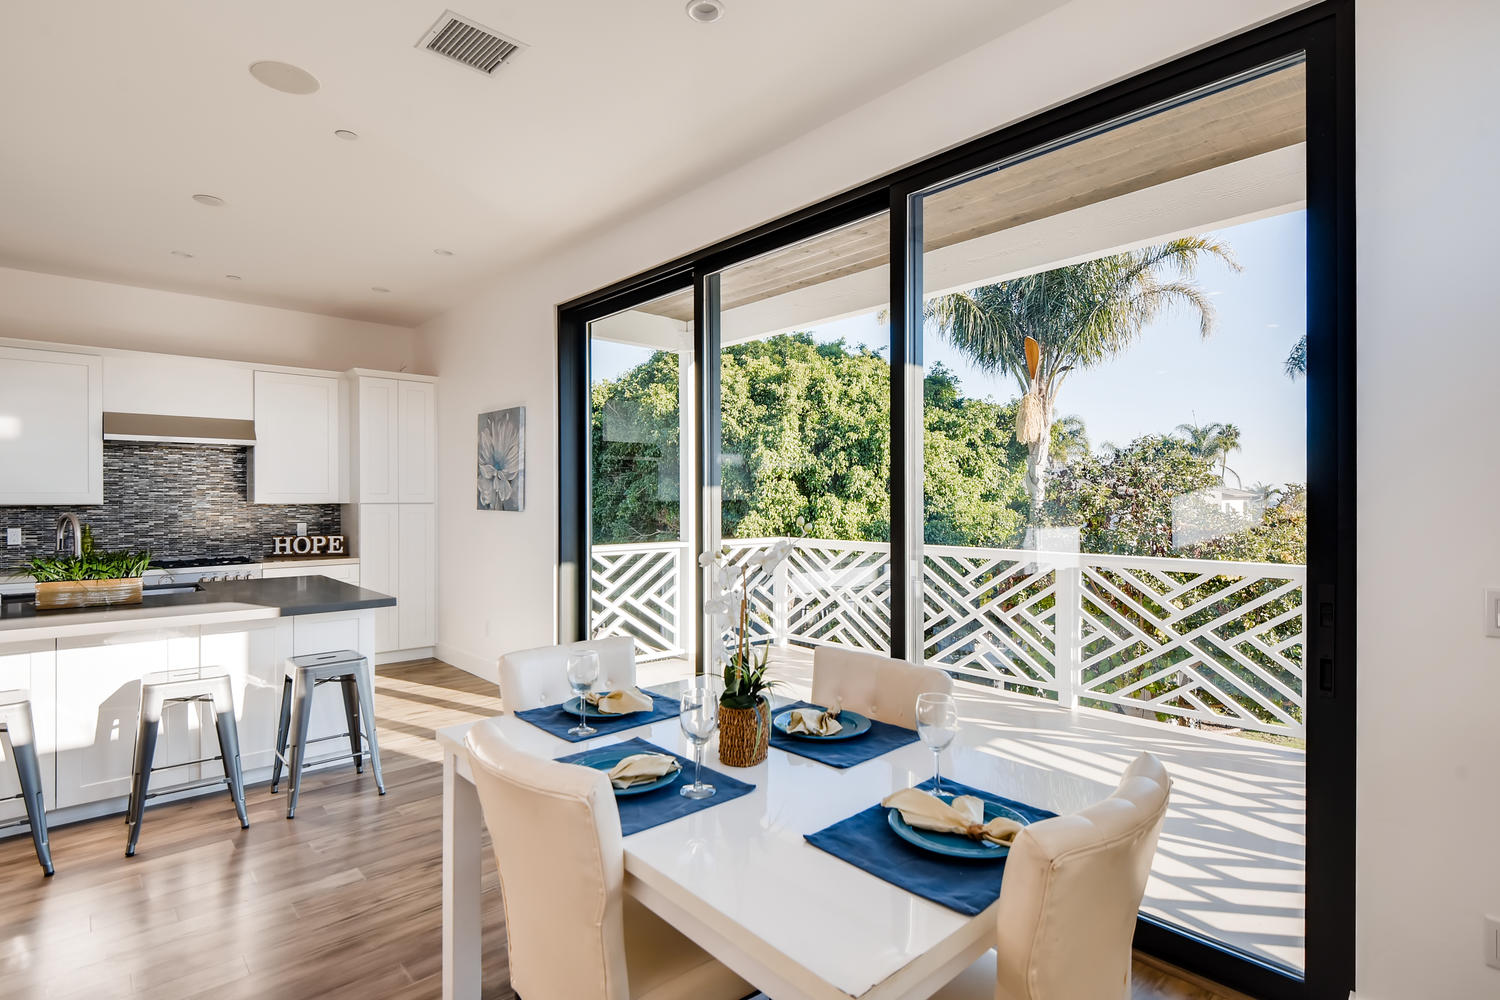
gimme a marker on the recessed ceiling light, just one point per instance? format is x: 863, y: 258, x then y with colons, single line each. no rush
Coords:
x: 443, y: 253
x: 232, y: 277
x: 180, y: 253
x: 285, y: 77
x: 345, y: 134
x: 212, y: 200
x: 379, y: 288
x: 705, y: 11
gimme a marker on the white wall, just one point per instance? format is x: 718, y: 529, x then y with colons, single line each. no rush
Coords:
x: 1430, y: 685
x: 50, y: 307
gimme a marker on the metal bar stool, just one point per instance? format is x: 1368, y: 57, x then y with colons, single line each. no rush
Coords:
x: 15, y: 724
x: 193, y: 686
x: 303, y: 675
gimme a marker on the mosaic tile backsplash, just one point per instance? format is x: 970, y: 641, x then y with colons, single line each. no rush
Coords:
x: 178, y: 501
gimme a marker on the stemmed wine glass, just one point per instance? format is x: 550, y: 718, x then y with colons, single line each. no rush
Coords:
x: 699, y: 718
x: 583, y: 672
x: 937, y: 725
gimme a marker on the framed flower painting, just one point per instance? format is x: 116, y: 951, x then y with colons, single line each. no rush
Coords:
x: 502, y: 460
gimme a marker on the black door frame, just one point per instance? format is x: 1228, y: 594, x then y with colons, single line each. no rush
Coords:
x: 1325, y: 34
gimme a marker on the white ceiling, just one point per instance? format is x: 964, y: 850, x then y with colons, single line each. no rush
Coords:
x: 115, y: 114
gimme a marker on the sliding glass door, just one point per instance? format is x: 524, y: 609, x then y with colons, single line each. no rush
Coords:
x: 1066, y: 412
x: 1114, y: 452
x: 803, y: 432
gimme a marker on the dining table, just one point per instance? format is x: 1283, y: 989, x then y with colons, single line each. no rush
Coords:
x: 740, y: 880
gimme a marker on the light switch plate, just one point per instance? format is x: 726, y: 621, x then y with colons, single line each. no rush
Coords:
x: 1492, y: 942
x: 12, y: 536
x: 1492, y: 613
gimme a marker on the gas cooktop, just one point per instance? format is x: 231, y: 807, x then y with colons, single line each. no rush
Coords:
x: 202, y: 561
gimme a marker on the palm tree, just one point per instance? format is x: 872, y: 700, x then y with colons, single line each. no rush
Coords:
x: 1070, y: 439
x: 1212, y: 443
x: 1295, y: 364
x: 1078, y: 316
x: 1227, y: 440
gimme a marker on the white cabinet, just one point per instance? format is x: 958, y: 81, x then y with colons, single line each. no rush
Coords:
x: 375, y: 535
x: 375, y: 460
x: 299, y: 435
x: 393, y: 460
x: 395, y: 544
x: 416, y: 441
x: 99, y: 706
x: 51, y: 427
x: 416, y: 596
x: 29, y: 668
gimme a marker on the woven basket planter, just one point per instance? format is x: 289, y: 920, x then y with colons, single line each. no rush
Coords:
x: 87, y: 593
x: 744, y: 734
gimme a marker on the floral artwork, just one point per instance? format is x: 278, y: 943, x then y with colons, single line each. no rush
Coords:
x: 502, y: 460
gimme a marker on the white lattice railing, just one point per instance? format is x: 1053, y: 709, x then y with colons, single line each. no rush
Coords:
x: 1204, y: 640
x: 637, y: 591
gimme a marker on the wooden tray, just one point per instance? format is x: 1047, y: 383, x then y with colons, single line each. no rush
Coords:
x: 87, y: 593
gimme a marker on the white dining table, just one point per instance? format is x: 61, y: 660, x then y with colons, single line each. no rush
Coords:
x: 739, y: 880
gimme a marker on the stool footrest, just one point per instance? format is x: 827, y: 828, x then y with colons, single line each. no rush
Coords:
x: 191, y: 786
x: 185, y: 763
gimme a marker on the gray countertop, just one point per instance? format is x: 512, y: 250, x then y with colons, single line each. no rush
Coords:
x: 291, y: 595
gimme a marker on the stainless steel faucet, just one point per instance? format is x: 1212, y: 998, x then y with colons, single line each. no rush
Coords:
x: 62, y: 526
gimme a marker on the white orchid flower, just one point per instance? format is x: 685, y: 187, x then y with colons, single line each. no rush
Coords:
x: 717, y: 606
x: 708, y: 559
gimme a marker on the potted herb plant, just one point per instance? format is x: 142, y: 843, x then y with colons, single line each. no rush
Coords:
x: 88, y: 579
x: 745, y: 706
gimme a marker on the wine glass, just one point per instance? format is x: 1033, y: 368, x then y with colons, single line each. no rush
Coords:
x: 583, y: 671
x: 699, y: 718
x: 937, y: 725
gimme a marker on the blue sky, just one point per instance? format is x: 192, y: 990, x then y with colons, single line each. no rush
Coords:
x: 1171, y: 375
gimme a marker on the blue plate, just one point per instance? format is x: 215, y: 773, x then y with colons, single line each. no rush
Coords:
x: 954, y: 845
x: 854, y: 725
x: 607, y: 757
x: 592, y: 711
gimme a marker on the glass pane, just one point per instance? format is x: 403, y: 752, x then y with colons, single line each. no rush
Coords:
x: 1114, y: 470
x: 642, y: 574
x: 804, y: 422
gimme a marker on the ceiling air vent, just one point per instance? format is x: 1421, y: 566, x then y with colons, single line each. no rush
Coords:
x: 470, y: 43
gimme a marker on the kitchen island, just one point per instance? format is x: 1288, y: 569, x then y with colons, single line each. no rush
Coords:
x: 84, y: 666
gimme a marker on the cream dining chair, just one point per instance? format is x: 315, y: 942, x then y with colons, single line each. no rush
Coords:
x: 1067, y: 908
x: 532, y: 678
x: 573, y: 933
x: 877, y: 686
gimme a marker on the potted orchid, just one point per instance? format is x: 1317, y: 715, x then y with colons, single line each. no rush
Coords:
x: 745, y: 706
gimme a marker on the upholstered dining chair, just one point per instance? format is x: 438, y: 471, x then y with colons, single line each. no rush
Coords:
x: 572, y: 931
x: 877, y: 686
x: 1068, y: 903
x: 531, y: 678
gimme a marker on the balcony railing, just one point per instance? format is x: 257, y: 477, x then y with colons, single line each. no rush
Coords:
x: 1203, y: 641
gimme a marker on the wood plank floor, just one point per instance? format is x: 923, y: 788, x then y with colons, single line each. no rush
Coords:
x: 341, y: 902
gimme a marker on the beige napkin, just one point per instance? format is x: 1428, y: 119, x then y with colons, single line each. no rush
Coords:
x: 621, y: 702
x: 816, y: 721
x: 965, y: 816
x: 642, y: 767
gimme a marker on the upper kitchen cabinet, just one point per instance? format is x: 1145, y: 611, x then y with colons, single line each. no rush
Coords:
x: 394, y: 443
x: 51, y: 427
x: 299, y: 439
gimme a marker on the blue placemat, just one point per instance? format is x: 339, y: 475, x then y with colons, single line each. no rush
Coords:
x: 882, y: 738
x: 867, y: 841
x: 554, y: 720
x: 642, y: 812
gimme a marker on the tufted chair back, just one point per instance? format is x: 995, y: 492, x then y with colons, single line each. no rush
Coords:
x: 1072, y: 888
x: 532, y: 678
x: 870, y: 684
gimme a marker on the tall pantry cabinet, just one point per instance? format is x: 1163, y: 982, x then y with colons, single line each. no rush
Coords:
x: 390, y: 521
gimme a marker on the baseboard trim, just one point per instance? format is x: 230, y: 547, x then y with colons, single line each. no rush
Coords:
x: 486, y: 667
x: 405, y: 655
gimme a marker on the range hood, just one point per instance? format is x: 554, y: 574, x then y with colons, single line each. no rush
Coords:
x: 177, y: 430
